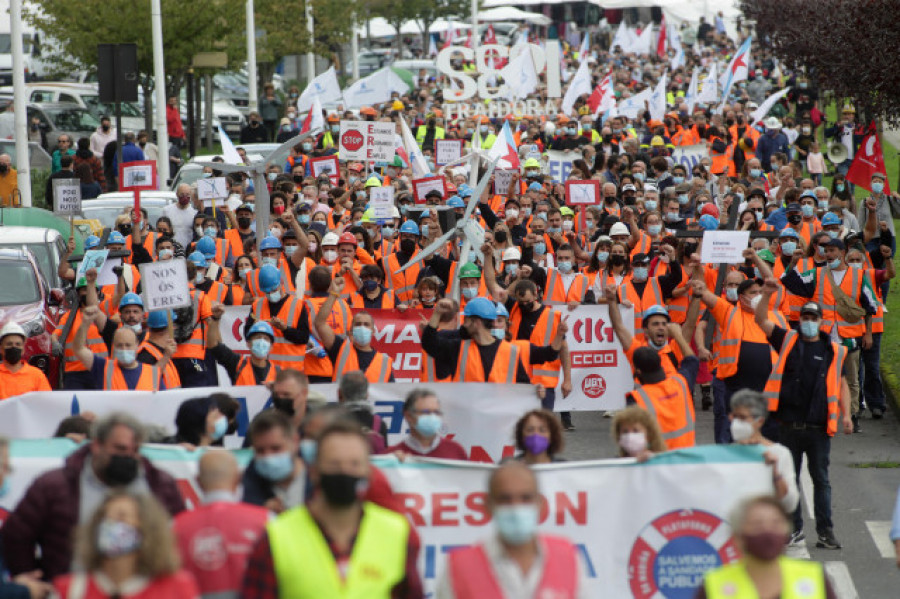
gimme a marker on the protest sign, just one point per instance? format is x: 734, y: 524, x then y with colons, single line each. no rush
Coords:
x: 326, y: 165
x: 689, y: 156
x: 424, y: 185
x: 137, y: 175
x: 601, y: 376
x: 380, y: 142
x: 92, y: 259
x: 447, y: 151
x: 503, y: 177
x: 583, y: 193
x: 381, y: 200
x: 353, y: 140
x: 165, y: 285
x: 67, y: 196
x: 724, y: 247
x: 559, y: 164
x: 212, y: 189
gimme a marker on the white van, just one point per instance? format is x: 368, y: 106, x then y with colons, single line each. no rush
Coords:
x: 84, y: 95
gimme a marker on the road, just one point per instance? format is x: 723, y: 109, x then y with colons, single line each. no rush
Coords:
x: 862, y: 499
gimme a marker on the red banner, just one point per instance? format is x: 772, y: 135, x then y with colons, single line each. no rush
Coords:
x: 399, y: 335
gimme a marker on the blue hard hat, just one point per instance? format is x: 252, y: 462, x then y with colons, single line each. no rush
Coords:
x: 501, y: 310
x: 115, y: 237
x: 708, y: 222
x: 157, y: 319
x: 269, y: 278
x: 535, y: 187
x: 481, y: 307
x: 207, y: 246
x: 830, y: 218
x: 91, y: 242
x: 131, y: 299
x: 199, y: 260
x: 789, y: 232
x: 464, y: 191
x: 261, y: 327
x: 456, y: 202
x: 409, y: 227
x: 809, y: 193
x: 655, y: 310
x: 269, y: 242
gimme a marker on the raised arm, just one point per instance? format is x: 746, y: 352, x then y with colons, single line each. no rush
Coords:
x: 213, y: 334
x: 615, y: 317
x: 762, y: 308
x: 324, y: 330
x: 79, y: 344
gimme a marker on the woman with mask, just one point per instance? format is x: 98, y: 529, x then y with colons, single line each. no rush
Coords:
x: 637, y: 434
x: 199, y: 423
x: 748, y: 414
x: 428, y: 292
x: 598, y: 263
x: 127, y: 551
x: 614, y: 271
x: 243, y: 266
x: 422, y: 411
x: 762, y: 529
x: 539, y: 437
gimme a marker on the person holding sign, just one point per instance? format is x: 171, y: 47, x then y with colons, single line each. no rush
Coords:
x: 255, y: 369
x: 158, y: 347
x: 286, y: 314
x: 76, y: 377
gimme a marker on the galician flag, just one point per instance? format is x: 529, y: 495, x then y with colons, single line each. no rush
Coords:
x: 505, y: 149
x: 737, y: 68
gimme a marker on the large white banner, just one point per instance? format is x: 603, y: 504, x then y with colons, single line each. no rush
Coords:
x: 601, y: 375
x: 559, y: 164
x: 689, y: 156
x: 479, y: 416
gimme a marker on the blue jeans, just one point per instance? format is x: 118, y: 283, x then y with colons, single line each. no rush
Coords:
x: 721, y: 409
x: 815, y: 444
x: 870, y: 388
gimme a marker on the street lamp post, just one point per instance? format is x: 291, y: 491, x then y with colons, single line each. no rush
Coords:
x: 23, y: 169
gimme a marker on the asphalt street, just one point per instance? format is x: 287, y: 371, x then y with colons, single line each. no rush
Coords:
x: 863, y: 498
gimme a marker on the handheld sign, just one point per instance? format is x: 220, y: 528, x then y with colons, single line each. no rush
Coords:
x: 326, y: 165
x: 502, y: 179
x: 447, y: 151
x: 382, y: 199
x: 67, y: 196
x: 422, y: 186
x: 212, y: 189
x: 583, y: 193
x: 136, y: 176
x: 165, y: 285
x: 724, y: 247
x: 92, y: 259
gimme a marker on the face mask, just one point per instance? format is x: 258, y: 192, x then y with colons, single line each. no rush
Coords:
x: 516, y: 524
x: 219, y: 428
x: 269, y: 260
x: 115, y: 539
x: 856, y: 265
x: 137, y: 328
x: 512, y: 213
x: 758, y: 214
x: 198, y: 231
x: 678, y: 180
x: 633, y: 443
x: 407, y: 246
x: 639, y: 176
x: 617, y: 260
x: 683, y: 199
x: 672, y: 217
x: 741, y: 430
x: 303, y: 219
x: 756, y: 173
x: 199, y: 278
x: 765, y: 545
x: 275, y: 467
x: 877, y: 187
x: 275, y: 231
x: 125, y: 356
x: 499, y: 334
x: 564, y: 267
x: 370, y: 285
x: 602, y: 257
x: 424, y: 230
x: 342, y: 490
x: 166, y: 254
x: 511, y: 269
x: 210, y: 231
x: 274, y: 297
x: 120, y: 471
x: 244, y: 222
x: 362, y: 335
x: 536, y: 444
x: 839, y: 187
x: 794, y: 219
x: 469, y: 292
x: 588, y: 223
x: 640, y: 274
x: 807, y: 210
x: 312, y: 247
x: 788, y: 248
x: 12, y: 355
x: 307, y: 147
x: 731, y: 294
x: 260, y: 347
x: 428, y: 425
x: 540, y: 248
x: 654, y: 230
x: 571, y: 130
x: 754, y: 301
x: 290, y: 250
x: 568, y: 225
x: 809, y: 328
x: 832, y: 234
x: 329, y: 256
x: 650, y: 205
x: 483, y: 128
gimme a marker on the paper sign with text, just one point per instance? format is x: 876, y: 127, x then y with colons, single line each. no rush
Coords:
x: 165, y: 285
x: 447, y: 151
x: 382, y: 202
x: 724, y: 247
x: 422, y: 186
x: 67, y: 196
x: 502, y: 178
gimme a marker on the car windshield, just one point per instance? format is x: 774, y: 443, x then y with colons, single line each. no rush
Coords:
x: 73, y: 119
x: 20, y: 286
x: 188, y: 175
x: 107, y: 214
x: 99, y: 108
x: 41, y: 254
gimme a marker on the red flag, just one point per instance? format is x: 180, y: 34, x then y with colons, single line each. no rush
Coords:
x: 602, y: 97
x: 307, y: 122
x: 490, y: 37
x: 661, y: 42
x: 868, y: 161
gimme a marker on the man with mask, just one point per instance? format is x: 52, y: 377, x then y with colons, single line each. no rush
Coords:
x: 59, y: 500
x: 131, y: 316
x: 403, y: 284
x: 362, y: 537
x: 181, y: 214
x: 430, y: 131
x: 275, y: 478
x: 422, y: 411
x: 237, y: 236
x: 102, y: 137
x: 16, y: 376
x: 879, y: 203
x: 328, y: 140
x: 773, y: 142
x: 286, y: 314
x: 222, y: 526
x: 248, y: 370
x: 159, y: 346
x: 254, y: 132
x: 807, y: 395
x: 76, y: 376
x: 517, y: 561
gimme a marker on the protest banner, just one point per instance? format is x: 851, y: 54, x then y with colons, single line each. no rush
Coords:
x: 479, y: 416
x: 689, y: 156
x: 165, y: 285
x: 212, y: 189
x: 66, y: 197
x: 559, y: 164
x: 353, y: 140
x: 380, y: 143
x: 601, y: 376
x: 724, y: 247
x: 447, y: 150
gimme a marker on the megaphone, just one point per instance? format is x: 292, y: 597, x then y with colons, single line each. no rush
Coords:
x: 837, y: 153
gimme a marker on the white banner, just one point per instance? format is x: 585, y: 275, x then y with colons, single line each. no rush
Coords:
x: 374, y: 89
x: 689, y: 156
x: 601, y: 376
x: 479, y: 416
x: 559, y: 164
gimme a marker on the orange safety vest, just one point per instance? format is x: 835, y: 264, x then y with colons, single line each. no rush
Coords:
x: 170, y: 374
x: 94, y: 342
x: 149, y: 245
x: 792, y: 302
x: 852, y: 285
x: 379, y: 370
x: 671, y: 404
x: 719, y: 159
x: 545, y: 329
x: 349, y: 284
x: 428, y: 371
x: 339, y: 321
x: 878, y: 319
x: 387, y: 300
x: 470, y: 370
x: 557, y: 292
x: 114, y: 380
x: 223, y: 248
x: 686, y: 137
x: 287, y: 281
x: 729, y: 345
x: 832, y: 380
x: 195, y: 347
x: 808, y: 228
x: 652, y: 296
x: 403, y: 284
x: 233, y: 237
x: 678, y: 306
x: 218, y: 292
x: 246, y: 377
x: 283, y: 353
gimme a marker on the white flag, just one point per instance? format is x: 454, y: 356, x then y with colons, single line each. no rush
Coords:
x: 678, y: 60
x: 585, y: 46
x: 764, y: 108
x: 658, y: 100
x: 325, y: 87
x: 645, y: 41
x: 374, y: 89
x: 416, y: 159
x: 580, y: 85
x: 318, y: 120
x: 520, y: 76
x: 229, y: 152
x: 709, y: 92
x: 633, y: 105
x: 693, y: 89
x: 674, y: 37
x: 621, y: 39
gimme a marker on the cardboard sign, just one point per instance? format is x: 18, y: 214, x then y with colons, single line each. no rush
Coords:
x: 502, y: 179
x: 559, y: 164
x: 382, y: 202
x: 138, y: 175
x: 214, y: 188
x: 326, y: 165
x: 67, y: 196
x: 447, y: 151
x: 583, y: 193
x: 426, y: 184
x: 165, y: 285
x: 92, y: 259
x: 724, y: 247
x: 367, y: 140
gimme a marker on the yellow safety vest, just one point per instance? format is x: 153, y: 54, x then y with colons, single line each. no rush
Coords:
x: 422, y: 130
x: 800, y: 580
x: 377, y: 562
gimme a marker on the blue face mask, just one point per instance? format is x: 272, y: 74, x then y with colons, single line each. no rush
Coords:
x: 220, y: 428
x: 210, y: 231
x: 499, y: 334
x: 650, y: 205
x: 275, y: 467
x: 387, y: 231
x: 511, y: 269
x: 809, y: 328
x: 516, y: 524
x: 683, y: 199
x: 362, y: 335
x: 370, y: 285
x: 571, y: 130
x: 424, y: 230
x: 807, y: 210
x: 677, y: 179
x: 274, y: 296
x: 756, y: 173
x: 428, y: 425
x: 309, y: 448
x: 833, y: 264
x: 564, y: 267
x: 602, y: 256
x: 260, y: 347
x: 856, y: 265
x: 788, y: 248
x: 303, y: 219
x: 125, y: 356
x: 640, y: 273
x: 639, y: 176
x: 270, y: 260
x: 839, y: 187
x: 540, y: 248
x: 832, y: 234
x: 731, y: 294
x: 553, y: 230
x: 877, y: 187
x: 469, y: 292
x: 654, y: 230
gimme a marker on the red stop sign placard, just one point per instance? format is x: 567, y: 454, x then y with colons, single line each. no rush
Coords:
x: 352, y: 140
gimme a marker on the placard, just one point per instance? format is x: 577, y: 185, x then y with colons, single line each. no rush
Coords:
x: 382, y: 202
x: 106, y: 276
x: 165, y: 285
x: 138, y: 175
x: 67, y: 196
x: 426, y: 184
x: 326, y: 165
x: 583, y: 193
x: 352, y: 140
x: 559, y: 164
x: 447, y: 150
x: 380, y: 141
x: 214, y: 188
x: 91, y: 259
x: 724, y: 247
x: 502, y: 178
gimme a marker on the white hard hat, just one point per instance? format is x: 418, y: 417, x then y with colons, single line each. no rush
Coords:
x: 773, y: 123
x: 549, y: 128
x: 12, y: 328
x: 330, y: 239
x: 511, y: 254
x: 619, y: 229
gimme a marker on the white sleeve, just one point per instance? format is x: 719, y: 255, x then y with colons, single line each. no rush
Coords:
x: 784, y: 463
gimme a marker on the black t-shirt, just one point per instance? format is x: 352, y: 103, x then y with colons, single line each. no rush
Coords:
x: 804, y: 395
x: 528, y: 322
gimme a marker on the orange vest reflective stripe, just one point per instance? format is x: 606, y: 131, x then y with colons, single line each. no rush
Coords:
x: 719, y: 160
x: 729, y: 346
x: 246, y: 376
x: 832, y: 380
x: 545, y: 329
x: 671, y: 404
x: 470, y: 370
x: 349, y: 283
x: 287, y: 281
x: 652, y: 296
x: 387, y: 300
x: 114, y: 380
x: 170, y: 374
x: 808, y: 228
x: 678, y: 306
x: 556, y: 290
x: 525, y: 357
x: 195, y: 347
x: 149, y: 245
x: 283, y: 353
x: 878, y: 319
x: 233, y: 237
x: 94, y: 342
x: 379, y: 370
x: 218, y: 292
x: 852, y: 285
x: 428, y: 371
x: 403, y: 284
x: 339, y: 321
x: 793, y: 302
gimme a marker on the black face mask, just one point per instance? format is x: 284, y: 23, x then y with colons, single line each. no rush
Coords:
x: 244, y: 222
x: 125, y: 230
x: 690, y: 249
x: 795, y: 219
x: 121, y: 470
x: 500, y: 237
x: 12, y: 355
x: 298, y: 178
x: 617, y: 260
x: 342, y: 490
x: 104, y: 127
x: 285, y: 405
x: 525, y: 305
x: 4, y: 168
x: 407, y: 246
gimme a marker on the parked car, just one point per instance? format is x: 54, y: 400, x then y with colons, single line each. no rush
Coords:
x: 369, y: 61
x: 38, y: 158
x: 110, y: 205
x: 46, y: 245
x: 85, y: 95
x: 59, y: 119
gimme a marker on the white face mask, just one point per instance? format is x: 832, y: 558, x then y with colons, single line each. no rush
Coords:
x: 741, y: 430
x: 633, y: 443
x: 755, y: 301
x: 330, y: 256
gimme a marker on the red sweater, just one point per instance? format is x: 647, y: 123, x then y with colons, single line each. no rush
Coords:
x: 447, y: 449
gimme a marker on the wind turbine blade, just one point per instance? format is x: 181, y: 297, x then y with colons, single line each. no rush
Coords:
x: 435, y: 245
x: 286, y: 146
x: 476, y: 193
x: 225, y: 168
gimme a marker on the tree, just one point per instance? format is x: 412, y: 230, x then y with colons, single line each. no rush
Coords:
x: 847, y: 46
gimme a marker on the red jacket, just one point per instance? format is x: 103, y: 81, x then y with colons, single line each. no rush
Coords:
x: 48, y: 513
x: 173, y: 122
